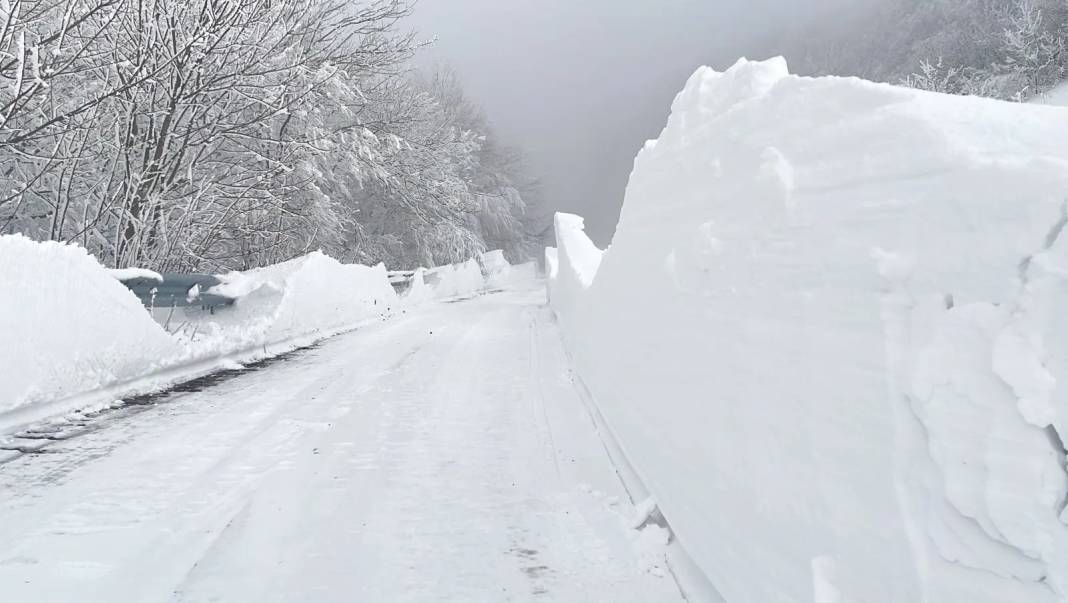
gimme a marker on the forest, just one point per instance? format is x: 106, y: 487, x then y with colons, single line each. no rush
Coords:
x: 212, y: 135
x: 1006, y: 49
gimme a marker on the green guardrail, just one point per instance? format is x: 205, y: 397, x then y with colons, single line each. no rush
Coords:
x: 178, y: 290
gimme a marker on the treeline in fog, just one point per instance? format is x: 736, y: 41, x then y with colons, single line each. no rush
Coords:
x: 1007, y: 49
x: 230, y: 134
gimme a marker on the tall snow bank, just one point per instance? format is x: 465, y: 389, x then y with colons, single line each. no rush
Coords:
x: 830, y: 336
x: 500, y: 274
x: 418, y: 291
x: 572, y: 266
x: 68, y: 326
x: 496, y: 269
x: 308, y: 295
x: 456, y: 280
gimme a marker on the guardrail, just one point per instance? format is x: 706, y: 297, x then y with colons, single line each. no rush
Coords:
x: 400, y: 279
x: 178, y: 290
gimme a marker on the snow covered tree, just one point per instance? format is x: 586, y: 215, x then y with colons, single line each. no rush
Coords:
x: 223, y: 134
x: 1035, y: 49
x: 450, y: 190
x: 1008, y: 49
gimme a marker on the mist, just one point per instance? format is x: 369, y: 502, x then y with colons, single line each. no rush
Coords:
x: 579, y: 86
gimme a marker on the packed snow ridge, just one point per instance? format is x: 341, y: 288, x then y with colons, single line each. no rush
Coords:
x: 71, y: 328
x: 830, y: 336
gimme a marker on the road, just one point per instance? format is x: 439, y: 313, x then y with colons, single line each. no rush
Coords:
x: 443, y: 455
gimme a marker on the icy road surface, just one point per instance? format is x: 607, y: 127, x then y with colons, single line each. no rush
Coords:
x: 441, y: 456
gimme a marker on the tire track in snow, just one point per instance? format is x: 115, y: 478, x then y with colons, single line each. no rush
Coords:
x: 406, y: 462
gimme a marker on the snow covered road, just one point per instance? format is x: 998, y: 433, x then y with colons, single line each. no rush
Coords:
x: 440, y: 456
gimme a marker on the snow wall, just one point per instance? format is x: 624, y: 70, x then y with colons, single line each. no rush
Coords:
x: 501, y: 275
x: 831, y: 336
x: 455, y: 280
x: 68, y: 326
x: 310, y: 295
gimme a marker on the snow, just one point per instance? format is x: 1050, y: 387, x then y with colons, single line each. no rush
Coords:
x: 501, y: 275
x: 496, y: 269
x: 129, y: 274
x: 71, y: 328
x: 418, y: 291
x: 456, y: 280
x: 650, y: 546
x: 1058, y: 96
x: 823, y: 579
x: 571, y: 266
x: 583, y: 257
x: 389, y: 464
x: 311, y: 294
x: 552, y: 262
x: 643, y: 512
x: 68, y: 325
x: 524, y: 276
x: 829, y: 337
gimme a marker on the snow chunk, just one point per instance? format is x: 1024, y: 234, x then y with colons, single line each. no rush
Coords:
x: 643, y: 513
x: 129, y: 274
x: 68, y: 325
x: 650, y: 547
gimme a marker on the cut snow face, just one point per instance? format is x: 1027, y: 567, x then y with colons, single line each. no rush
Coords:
x: 572, y: 266
x: 582, y: 256
x: 830, y: 336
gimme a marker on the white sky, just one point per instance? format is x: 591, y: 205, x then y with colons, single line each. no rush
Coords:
x: 581, y: 84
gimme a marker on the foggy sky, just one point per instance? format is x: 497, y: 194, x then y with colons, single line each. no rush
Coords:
x: 579, y: 85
